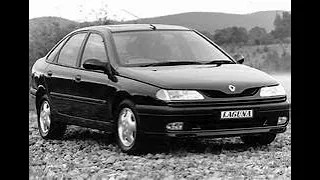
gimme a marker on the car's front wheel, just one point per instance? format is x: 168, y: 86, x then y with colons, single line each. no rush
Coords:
x: 128, y: 135
x: 48, y: 127
x: 262, y: 139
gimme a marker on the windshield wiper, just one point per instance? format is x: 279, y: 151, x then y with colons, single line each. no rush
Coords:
x: 220, y: 62
x: 171, y: 63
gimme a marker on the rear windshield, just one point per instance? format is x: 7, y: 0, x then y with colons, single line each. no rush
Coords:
x: 138, y: 48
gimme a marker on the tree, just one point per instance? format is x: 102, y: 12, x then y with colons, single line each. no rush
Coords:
x: 231, y: 35
x: 222, y: 36
x: 239, y: 35
x: 101, y: 15
x: 257, y: 35
x: 282, y: 26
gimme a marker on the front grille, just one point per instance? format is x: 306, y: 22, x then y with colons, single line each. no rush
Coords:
x: 220, y: 94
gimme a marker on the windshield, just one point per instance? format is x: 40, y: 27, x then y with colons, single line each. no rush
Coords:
x: 141, y: 48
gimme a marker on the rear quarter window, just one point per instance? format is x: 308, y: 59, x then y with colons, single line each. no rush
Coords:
x: 54, y: 52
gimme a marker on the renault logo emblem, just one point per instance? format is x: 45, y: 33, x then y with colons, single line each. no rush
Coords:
x: 232, y: 88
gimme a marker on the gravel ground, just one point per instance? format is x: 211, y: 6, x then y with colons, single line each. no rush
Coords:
x: 90, y: 154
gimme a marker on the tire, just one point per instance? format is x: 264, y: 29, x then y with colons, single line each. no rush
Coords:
x: 262, y: 139
x: 128, y: 135
x: 48, y: 127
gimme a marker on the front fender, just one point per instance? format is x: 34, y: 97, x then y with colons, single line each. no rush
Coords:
x: 139, y: 92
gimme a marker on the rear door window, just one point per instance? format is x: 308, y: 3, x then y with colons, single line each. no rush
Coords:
x: 70, y: 51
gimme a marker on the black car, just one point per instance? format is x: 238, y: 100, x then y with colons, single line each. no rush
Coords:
x: 149, y: 80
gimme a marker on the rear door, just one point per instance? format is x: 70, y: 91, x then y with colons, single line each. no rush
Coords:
x: 61, y: 75
x: 92, y: 86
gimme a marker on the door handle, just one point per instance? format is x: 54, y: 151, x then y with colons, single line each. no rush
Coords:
x: 49, y: 73
x: 78, y: 78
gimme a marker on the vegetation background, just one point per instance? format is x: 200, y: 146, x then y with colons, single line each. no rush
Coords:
x: 268, y: 51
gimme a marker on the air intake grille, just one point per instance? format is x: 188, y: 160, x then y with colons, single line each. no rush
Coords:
x: 220, y: 94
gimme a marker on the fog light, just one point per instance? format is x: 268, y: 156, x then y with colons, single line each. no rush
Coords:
x: 175, y: 126
x: 282, y: 120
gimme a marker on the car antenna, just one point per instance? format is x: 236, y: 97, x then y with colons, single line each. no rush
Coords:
x: 152, y: 26
x: 135, y: 21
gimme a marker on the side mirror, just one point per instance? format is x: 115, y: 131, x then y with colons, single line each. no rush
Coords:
x: 94, y: 64
x: 239, y: 58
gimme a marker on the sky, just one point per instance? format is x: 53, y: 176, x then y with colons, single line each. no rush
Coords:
x: 88, y: 10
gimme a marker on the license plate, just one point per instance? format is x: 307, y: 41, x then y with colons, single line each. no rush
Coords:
x: 236, y: 114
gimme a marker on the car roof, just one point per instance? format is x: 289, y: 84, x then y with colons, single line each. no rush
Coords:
x: 134, y: 27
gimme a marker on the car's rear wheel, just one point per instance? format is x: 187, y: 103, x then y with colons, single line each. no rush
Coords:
x: 262, y: 139
x: 128, y: 133
x: 48, y: 127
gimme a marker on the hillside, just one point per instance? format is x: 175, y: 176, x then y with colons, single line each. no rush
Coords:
x: 50, y: 19
x: 36, y: 25
x: 210, y: 21
x: 44, y: 32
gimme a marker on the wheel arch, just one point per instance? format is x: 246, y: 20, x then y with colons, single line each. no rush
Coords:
x: 40, y: 93
x: 117, y: 99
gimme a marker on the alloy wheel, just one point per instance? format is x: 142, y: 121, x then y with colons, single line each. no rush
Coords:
x: 45, y: 120
x: 127, y: 127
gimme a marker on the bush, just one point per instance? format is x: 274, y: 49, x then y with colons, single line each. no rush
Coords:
x: 286, y: 62
x: 287, y: 40
x: 274, y: 62
x: 258, y: 50
x: 271, y: 58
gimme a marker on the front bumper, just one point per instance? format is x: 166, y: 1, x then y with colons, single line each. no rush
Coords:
x: 221, y: 132
x: 204, y: 121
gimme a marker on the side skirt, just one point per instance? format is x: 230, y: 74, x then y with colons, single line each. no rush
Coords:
x: 71, y: 120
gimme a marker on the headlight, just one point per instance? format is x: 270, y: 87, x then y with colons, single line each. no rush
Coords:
x: 172, y: 95
x: 272, y: 91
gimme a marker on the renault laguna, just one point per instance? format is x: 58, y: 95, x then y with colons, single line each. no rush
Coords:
x: 139, y: 81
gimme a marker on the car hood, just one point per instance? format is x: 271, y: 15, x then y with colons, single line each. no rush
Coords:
x: 200, y: 77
